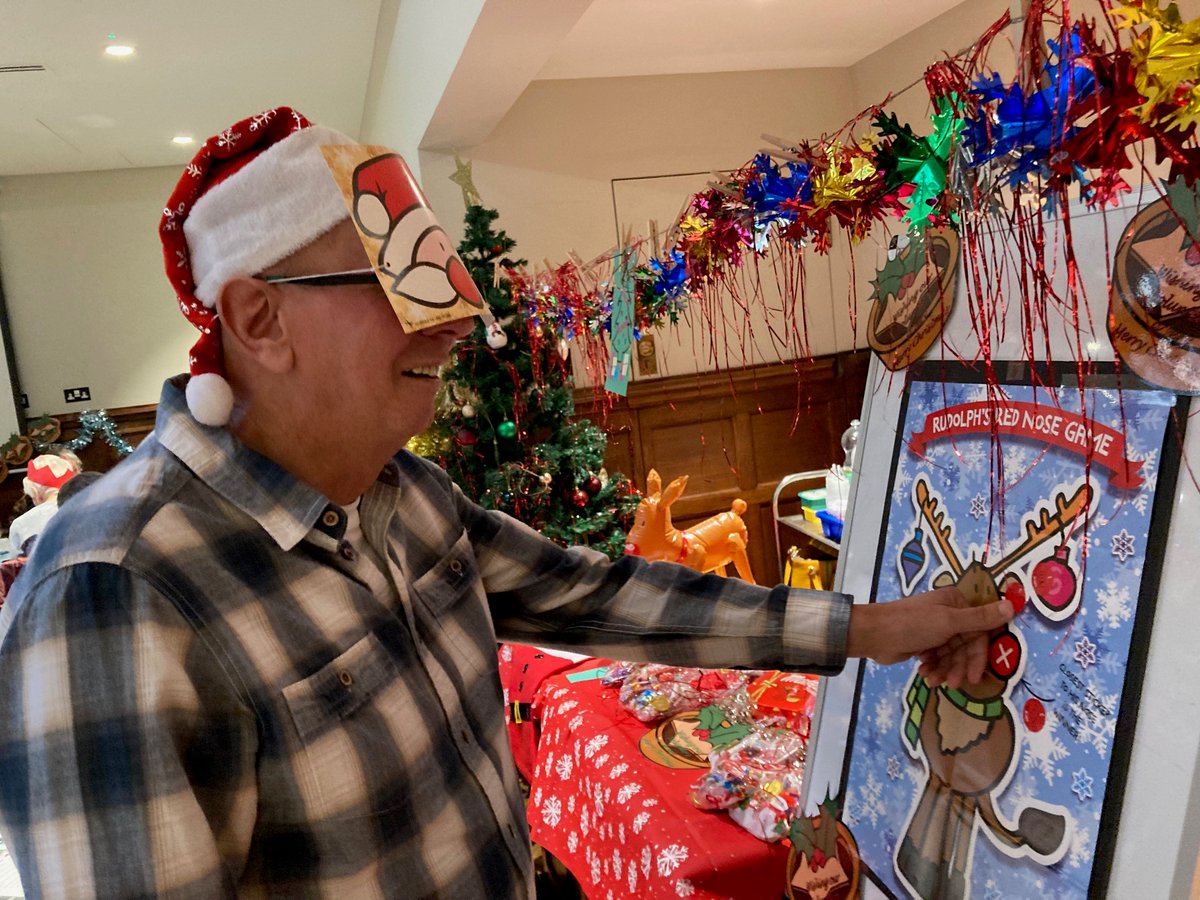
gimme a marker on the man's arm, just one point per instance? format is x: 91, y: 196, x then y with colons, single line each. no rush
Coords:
x: 128, y: 762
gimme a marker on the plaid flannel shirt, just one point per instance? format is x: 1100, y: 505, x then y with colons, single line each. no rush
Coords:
x: 203, y: 698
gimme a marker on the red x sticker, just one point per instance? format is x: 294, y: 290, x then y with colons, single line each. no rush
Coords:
x: 1004, y: 655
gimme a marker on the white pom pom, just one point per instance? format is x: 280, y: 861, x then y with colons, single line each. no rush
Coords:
x: 210, y: 399
x: 496, y: 338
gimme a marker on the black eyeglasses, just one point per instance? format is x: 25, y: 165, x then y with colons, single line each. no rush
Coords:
x: 330, y: 279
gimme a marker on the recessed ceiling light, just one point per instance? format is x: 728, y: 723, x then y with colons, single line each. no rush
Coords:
x: 183, y: 139
x: 119, y: 50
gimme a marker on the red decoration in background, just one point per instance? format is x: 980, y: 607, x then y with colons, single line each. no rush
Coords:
x: 1054, y: 581
x: 1034, y: 714
x: 580, y: 498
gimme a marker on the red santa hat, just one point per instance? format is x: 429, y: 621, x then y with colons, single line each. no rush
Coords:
x: 254, y: 194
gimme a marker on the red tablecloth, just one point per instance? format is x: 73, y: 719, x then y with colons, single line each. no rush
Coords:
x: 623, y: 824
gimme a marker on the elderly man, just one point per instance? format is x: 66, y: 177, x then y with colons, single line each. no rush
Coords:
x: 258, y: 658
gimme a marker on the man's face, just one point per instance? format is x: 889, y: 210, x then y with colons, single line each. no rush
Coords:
x: 356, y: 367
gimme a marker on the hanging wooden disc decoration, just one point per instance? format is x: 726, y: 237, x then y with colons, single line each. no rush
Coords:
x: 914, y: 292
x: 1154, y: 310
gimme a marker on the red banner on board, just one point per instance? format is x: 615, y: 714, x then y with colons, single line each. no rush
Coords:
x: 1069, y: 431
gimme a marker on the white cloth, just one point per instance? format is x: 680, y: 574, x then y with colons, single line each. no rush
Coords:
x: 30, y: 524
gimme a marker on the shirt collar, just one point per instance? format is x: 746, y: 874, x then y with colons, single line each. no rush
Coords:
x: 282, y: 504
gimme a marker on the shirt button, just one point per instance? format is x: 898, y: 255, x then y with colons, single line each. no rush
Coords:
x: 347, y: 552
x: 330, y: 519
x: 345, y: 678
x: 456, y: 566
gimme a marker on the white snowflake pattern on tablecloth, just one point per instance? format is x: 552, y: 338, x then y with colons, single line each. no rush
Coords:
x: 566, y: 706
x: 639, y: 822
x: 628, y: 792
x: 571, y: 803
x: 631, y: 876
x: 893, y: 767
x: 671, y: 858
x: 595, y: 870
x: 649, y: 802
x: 1043, y: 749
x: 885, y: 714
x: 647, y: 859
x: 618, y: 770
x: 594, y: 744
x: 1122, y: 545
x: 585, y: 820
x: 1085, y: 652
x: 683, y: 888
x: 1081, y: 784
x: 574, y: 724
x: 621, y: 832
x: 573, y: 841
x: 1114, y: 605
x: 537, y: 797
x: 552, y: 811
x: 506, y: 653
x: 617, y: 865
x: 564, y: 767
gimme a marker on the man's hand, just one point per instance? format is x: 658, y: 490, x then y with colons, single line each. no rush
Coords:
x: 950, y: 637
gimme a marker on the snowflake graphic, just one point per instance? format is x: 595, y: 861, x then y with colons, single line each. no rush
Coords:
x: 563, y: 767
x: 616, y: 861
x: 585, y: 823
x: 1081, y: 785
x: 671, y: 858
x: 618, y: 770
x: 872, y: 805
x: 893, y: 768
x: 621, y: 832
x: 1080, y: 845
x: 574, y: 724
x: 537, y: 797
x: 978, y: 507
x: 506, y: 653
x: 631, y: 878
x: 1122, y: 545
x: 262, y: 119
x: 646, y: 857
x: 683, y: 888
x: 552, y: 811
x: 885, y: 714
x: 1114, y: 604
x: 627, y: 792
x: 639, y: 822
x: 596, y: 870
x: 228, y: 138
x: 566, y: 706
x: 571, y: 803
x: 649, y: 802
x: 573, y: 841
x: 193, y: 170
x: 1085, y: 652
x: 601, y: 761
x: 1043, y: 750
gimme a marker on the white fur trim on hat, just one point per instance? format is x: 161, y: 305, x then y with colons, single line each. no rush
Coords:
x: 210, y: 399
x: 280, y: 201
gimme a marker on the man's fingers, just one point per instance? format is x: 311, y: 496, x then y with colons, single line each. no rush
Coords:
x: 984, y: 618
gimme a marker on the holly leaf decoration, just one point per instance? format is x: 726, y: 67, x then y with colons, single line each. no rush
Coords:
x: 711, y: 717
x: 1185, y: 202
x: 803, y: 836
x: 890, y: 279
x: 721, y: 733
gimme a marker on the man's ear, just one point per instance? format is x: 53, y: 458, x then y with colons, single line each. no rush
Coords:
x: 251, y: 325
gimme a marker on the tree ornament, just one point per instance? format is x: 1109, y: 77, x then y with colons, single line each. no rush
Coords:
x: 507, y: 430
x: 468, y: 411
x: 497, y: 249
x: 912, y: 557
x: 496, y: 338
x: 1034, y: 714
x: 1054, y: 581
x: 465, y: 437
x: 579, y: 498
x: 592, y: 485
x: 545, y: 478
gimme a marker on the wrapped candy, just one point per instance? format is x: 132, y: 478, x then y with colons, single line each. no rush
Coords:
x: 651, y: 691
x: 758, y: 780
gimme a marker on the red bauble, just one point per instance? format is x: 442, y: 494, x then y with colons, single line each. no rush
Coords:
x: 1054, y: 581
x: 622, y: 488
x: 497, y: 249
x: 1014, y: 593
x: 592, y: 485
x: 580, y: 498
x: 1034, y: 714
x: 466, y: 438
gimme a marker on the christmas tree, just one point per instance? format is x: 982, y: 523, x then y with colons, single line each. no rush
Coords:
x: 505, y: 430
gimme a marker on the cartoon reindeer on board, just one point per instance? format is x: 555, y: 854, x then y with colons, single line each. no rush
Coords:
x: 708, y: 547
x: 966, y: 736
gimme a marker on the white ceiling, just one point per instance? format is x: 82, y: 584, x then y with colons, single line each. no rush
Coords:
x: 200, y: 66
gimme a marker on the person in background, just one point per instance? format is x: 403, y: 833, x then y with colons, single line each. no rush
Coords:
x: 74, y: 487
x: 258, y: 658
x: 44, y: 478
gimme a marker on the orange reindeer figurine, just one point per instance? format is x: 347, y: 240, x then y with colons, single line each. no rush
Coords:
x: 709, y: 547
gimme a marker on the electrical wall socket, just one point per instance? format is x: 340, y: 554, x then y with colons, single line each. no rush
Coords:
x: 77, y: 394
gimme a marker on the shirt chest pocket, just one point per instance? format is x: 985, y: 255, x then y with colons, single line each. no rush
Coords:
x: 351, y: 715
x: 453, y: 610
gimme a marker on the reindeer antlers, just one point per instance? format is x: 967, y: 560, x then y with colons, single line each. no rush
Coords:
x: 935, y: 517
x: 1047, y: 526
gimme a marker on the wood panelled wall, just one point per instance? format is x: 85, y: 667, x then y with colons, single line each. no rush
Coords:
x: 734, y: 434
